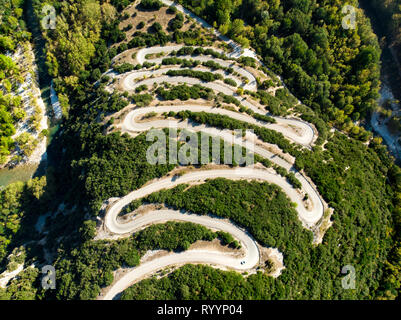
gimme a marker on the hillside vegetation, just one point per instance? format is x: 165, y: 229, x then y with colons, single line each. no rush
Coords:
x: 12, y: 34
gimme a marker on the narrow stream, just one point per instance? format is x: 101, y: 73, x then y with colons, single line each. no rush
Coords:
x: 19, y: 173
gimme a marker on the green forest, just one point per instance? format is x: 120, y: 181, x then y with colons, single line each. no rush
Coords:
x: 390, y: 18
x: 334, y: 72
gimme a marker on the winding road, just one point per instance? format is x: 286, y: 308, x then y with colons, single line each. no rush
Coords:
x: 295, y: 130
x: 250, y: 257
x: 305, y: 137
x: 237, y: 52
x: 131, y: 80
x: 142, y: 53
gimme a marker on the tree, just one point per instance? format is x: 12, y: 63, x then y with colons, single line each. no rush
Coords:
x: 237, y: 27
x: 6, y: 44
x: 88, y: 230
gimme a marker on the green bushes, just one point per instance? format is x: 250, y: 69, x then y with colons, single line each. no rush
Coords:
x: 142, y: 39
x: 12, y: 33
x: 23, y: 287
x: 171, y: 10
x: 228, y: 239
x: 290, y: 176
x: 131, y: 207
x: 171, y: 236
x: 171, y: 61
x: 321, y: 126
x: 126, y: 67
x: 142, y: 100
x: 10, y: 214
x: 82, y: 273
x: 272, y: 103
x: 184, y: 51
x: 286, y: 97
x: 188, y: 50
x: 262, y: 117
x: 247, y: 61
x: 229, y: 99
x: 6, y: 131
x: 183, y: 62
x: 194, y: 281
x: 156, y: 27
x: 191, y: 37
x: 216, y: 66
x: 19, y: 206
x: 88, y: 230
x: 149, y: 115
x: 194, y: 63
x: 141, y: 88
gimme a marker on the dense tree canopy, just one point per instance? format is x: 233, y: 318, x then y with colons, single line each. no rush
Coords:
x: 12, y: 34
x: 333, y: 71
x: 301, y: 40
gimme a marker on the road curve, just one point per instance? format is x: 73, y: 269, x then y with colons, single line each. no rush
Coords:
x: 189, y: 256
x: 251, y: 256
x: 299, y: 134
x: 310, y: 217
x: 237, y: 52
x: 307, y: 137
x: 131, y: 125
x: 163, y: 70
x: 141, y: 58
x: 133, y: 79
x: 251, y: 252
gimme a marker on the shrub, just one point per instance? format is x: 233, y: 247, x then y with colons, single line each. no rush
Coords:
x: 204, y: 76
x: 157, y: 27
x: 151, y: 4
x: 124, y: 67
x: 171, y: 10
x: 177, y: 22
x: 230, y: 82
x: 184, y: 92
